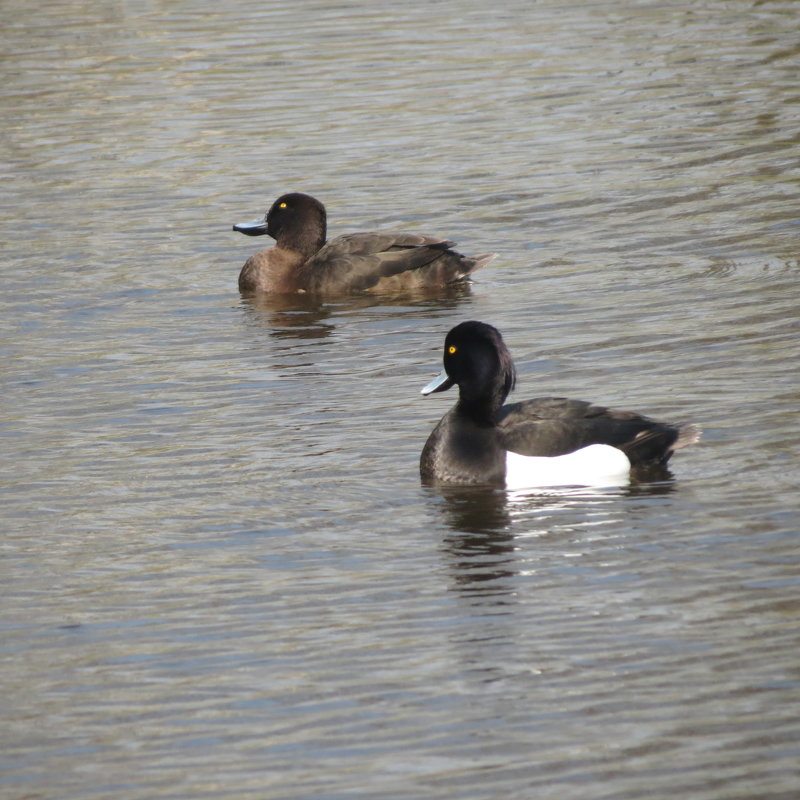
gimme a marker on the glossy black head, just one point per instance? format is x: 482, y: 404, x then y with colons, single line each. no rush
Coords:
x: 477, y: 359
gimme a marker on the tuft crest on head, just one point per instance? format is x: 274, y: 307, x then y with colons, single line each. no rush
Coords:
x: 482, y: 344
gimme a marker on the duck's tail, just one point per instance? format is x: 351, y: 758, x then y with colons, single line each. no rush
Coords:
x: 687, y: 434
x: 469, y: 264
x: 656, y: 444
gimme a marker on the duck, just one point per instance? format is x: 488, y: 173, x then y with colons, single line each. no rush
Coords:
x: 547, y: 441
x: 304, y: 261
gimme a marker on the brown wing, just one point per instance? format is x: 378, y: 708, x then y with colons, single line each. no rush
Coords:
x: 357, y: 261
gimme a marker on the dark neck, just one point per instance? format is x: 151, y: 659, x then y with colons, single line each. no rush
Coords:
x: 481, y: 410
x: 306, y: 238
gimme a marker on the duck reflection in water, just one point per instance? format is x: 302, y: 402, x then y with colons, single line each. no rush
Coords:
x: 306, y: 316
x: 481, y: 546
x: 289, y: 316
x: 488, y: 526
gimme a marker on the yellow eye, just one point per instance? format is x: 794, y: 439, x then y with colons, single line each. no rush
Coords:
x: 452, y: 349
x: 282, y: 205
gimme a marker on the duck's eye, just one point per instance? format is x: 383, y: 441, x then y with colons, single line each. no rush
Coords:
x: 452, y: 349
x: 282, y: 205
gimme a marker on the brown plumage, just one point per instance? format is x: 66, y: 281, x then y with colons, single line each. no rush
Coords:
x: 302, y: 261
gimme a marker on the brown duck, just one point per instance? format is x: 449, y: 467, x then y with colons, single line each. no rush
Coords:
x: 302, y: 261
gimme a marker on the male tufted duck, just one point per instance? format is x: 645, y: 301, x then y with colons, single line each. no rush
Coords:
x: 549, y: 441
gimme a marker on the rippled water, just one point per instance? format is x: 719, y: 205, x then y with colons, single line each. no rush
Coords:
x: 221, y: 577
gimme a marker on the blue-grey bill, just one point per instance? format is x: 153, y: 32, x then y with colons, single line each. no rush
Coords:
x: 439, y: 384
x: 257, y: 228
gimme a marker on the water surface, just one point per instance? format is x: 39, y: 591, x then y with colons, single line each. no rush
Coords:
x: 221, y: 576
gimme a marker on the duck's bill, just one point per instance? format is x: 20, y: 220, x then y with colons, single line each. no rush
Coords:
x: 441, y: 383
x: 257, y: 228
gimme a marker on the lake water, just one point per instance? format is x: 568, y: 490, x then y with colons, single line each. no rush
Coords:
x: 221, y: 577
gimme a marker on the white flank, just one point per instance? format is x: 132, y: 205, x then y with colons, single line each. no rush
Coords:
x: 595, y: 465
